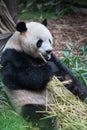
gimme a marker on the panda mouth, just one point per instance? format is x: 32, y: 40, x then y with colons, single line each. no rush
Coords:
x: 48, y: 56
x: 45, y: 57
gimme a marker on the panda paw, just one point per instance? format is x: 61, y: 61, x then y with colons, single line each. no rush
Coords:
x: 53, y: 69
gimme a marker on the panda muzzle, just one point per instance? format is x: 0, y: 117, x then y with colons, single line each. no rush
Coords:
x: 48, y: 54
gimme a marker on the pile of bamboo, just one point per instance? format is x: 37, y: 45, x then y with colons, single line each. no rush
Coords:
x: 70, y: 110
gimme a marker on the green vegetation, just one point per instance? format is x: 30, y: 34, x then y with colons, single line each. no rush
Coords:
x: 77, y: 61
x: 49, y: 9
x: 34, y: 15
x: 36, y: 9
x: 10, y: 120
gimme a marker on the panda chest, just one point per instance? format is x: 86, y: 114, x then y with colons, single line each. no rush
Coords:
x: 26, y: 62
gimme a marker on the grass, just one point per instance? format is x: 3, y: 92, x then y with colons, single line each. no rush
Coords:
x: 10, y: 120
x: 77, y: 62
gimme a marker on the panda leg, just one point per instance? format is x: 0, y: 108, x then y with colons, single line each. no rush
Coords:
x: 31, y: 113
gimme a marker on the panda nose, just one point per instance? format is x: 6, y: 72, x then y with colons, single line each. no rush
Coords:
x: 48, y: 51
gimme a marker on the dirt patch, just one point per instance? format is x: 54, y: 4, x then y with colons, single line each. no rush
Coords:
x: 68, y: 29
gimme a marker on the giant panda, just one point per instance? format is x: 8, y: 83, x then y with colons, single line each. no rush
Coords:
x: 28, y: 64
x: 26, y: 75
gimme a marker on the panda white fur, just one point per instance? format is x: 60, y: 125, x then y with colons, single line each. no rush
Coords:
x: 24, y: 73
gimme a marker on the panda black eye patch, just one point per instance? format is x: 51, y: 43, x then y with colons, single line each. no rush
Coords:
x: 39, y: 43
x: 50, y: 41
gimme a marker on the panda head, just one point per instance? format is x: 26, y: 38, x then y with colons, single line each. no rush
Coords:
x: 35, y: 39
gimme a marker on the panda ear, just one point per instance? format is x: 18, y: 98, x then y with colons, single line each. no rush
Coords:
x: 44, y: 22
x: 21, y: 27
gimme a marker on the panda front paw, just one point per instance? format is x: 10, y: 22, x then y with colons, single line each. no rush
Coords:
x: 53, y: 69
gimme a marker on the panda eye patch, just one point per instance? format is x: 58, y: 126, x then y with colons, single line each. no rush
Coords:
x: 50, y: 41
x: 39, y: 43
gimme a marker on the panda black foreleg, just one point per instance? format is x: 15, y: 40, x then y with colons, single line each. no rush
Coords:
x: 76, y: 87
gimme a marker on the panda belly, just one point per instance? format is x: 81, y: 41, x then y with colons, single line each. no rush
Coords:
x: 21, y: 99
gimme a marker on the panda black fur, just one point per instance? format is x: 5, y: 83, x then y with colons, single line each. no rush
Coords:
x: 24, y: 73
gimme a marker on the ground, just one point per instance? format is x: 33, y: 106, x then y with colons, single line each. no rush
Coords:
x: 68, y: 29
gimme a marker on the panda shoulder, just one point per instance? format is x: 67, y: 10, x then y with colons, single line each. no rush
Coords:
x: 13, y: 42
